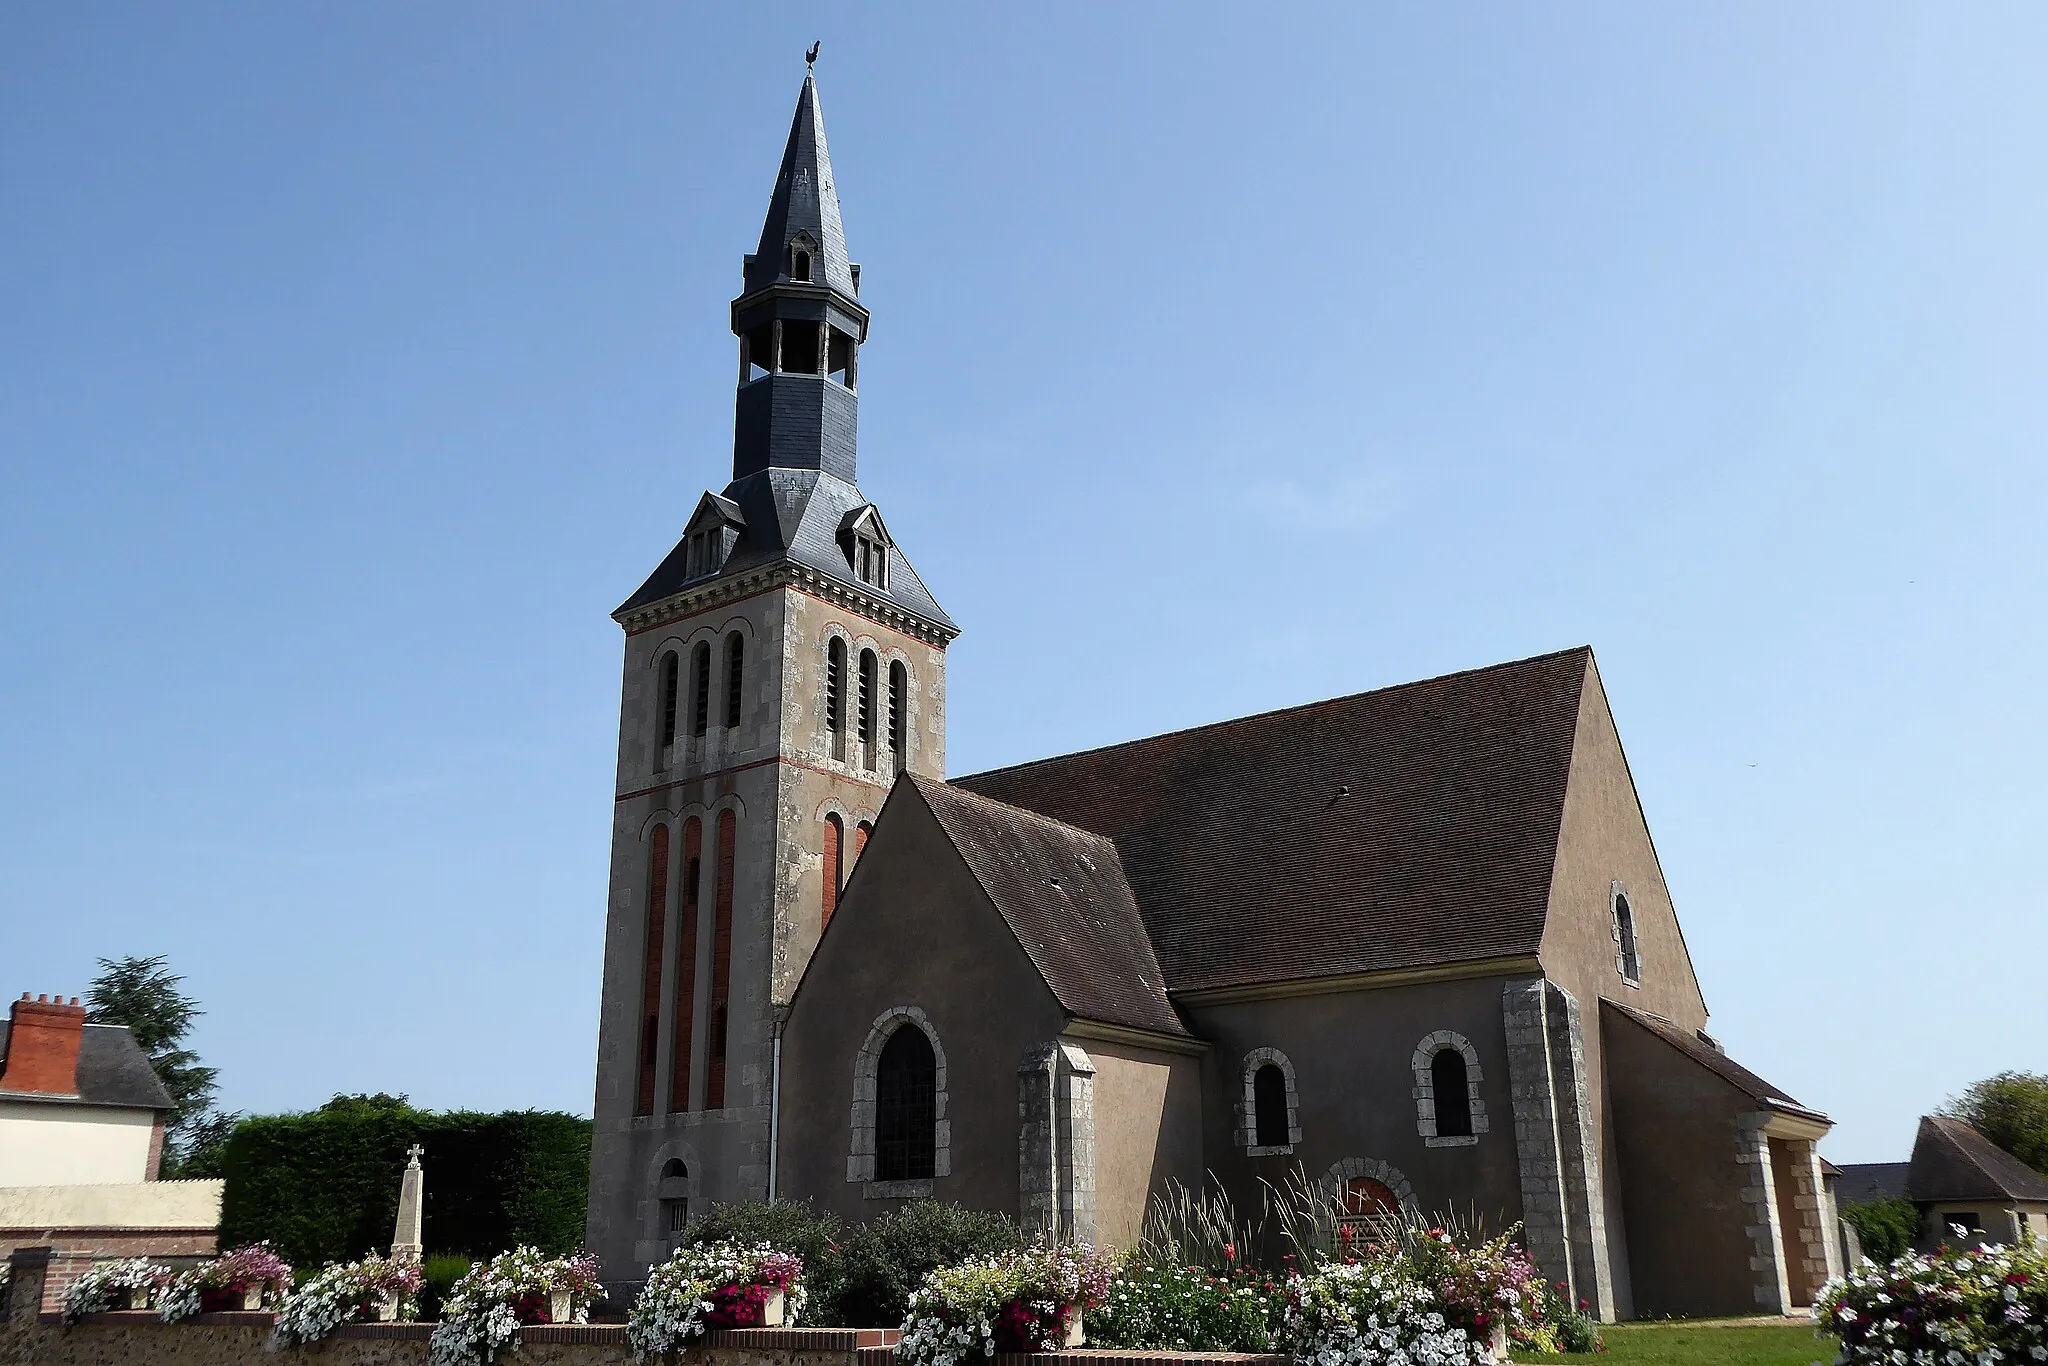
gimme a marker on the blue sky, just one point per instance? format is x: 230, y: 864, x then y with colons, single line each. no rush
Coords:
x: 358, y: 359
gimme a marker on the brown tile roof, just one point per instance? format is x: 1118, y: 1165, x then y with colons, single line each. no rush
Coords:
x: 1409, y: 826
x: 1063, y: 894
x: 1952, y: 1161
x: 1713, y: 1059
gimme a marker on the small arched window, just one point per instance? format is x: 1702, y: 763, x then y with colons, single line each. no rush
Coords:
x: 860, y: 839
x: 735, y: 676
x: 1269, y: 1107
x: 671, y: 684
x: 674, y: 1194
x: 835, y: 686
x: 867, y: 707
x: 799, y: 264
x: 835, y: 856
x: 700, y: 688
x: 1453, y: 1097
x: 906, y: 1110
x: 1626, y: 958
x: 899, y: 713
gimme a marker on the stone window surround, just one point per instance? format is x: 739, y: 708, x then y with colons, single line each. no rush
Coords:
x: 1247, y: 1105
x: 1425, y: 1089
x: 1372, y: 1169
x: 860, y: 1160
x: 653, y: 1228
x: 1631, y: 973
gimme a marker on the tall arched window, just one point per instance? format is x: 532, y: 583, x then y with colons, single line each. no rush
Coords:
x: 861, y: 832
x: 721, y: 962
x: 671, y: 686
x: 735, y: 676
x: 899, y: 713
x: 1626, y: 959
x: 1269, y: 1107
x: 674, y: 1194
x: 906, y: 1109
x: 1453, y: 1097
x: 835, y: 694
x: 682, y: 1052
x: 700, y: 688
x: 835, y: 845
x: 867, y: 708
x: 650, y: 970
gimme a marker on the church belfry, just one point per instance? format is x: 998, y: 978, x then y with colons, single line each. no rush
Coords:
x: 783, y: 664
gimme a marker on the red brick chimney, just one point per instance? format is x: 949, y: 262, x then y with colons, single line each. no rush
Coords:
x: 43, y: 1039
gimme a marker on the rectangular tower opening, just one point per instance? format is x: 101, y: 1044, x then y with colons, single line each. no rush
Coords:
x: 800, y: 345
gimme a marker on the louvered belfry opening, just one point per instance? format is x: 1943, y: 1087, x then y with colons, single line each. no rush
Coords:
x: 906, y: 1107
x: 735, y: 677
x: 700, y: 689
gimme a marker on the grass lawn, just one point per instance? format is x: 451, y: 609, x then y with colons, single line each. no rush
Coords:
x: 1704, y: 1344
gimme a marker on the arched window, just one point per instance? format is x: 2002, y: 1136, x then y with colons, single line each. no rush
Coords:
x: 721, y: 962
x: 1453, y: 1102
x: 683, y: 1048
x: 671, y: 685
x: 835, y: 845
x: 867, y: 708
x: 650, y: 971
x: 860, y: 839
x: 1269, y: 1107
x: 1626, y: 959
x: 700, y: 688
x: 735, y: 676
x: 906, y: 1111
x: 899, y: 713
x: 835, y: 689
x: 799, y: 264
x: 674, y: 1194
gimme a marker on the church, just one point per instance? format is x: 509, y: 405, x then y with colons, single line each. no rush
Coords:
x: 1413, y: 945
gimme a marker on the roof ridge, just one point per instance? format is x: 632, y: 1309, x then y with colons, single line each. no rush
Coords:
x: 1276, y: 712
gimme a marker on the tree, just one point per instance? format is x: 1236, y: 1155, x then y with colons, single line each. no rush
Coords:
x: 142, y: 993
x: 1885, y: 1226
x: 2010, y: 1109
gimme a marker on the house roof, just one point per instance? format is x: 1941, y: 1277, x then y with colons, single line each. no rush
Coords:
x: 112, y: 1070
x: 1409, y: 826
x: 795, y: 515
x: 1952, y: 1161
x: 1862, y: 1182
x: 1063, y: 893
x: 1713, y: 1059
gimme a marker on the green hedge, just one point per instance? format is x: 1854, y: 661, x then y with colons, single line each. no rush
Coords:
x: 324, y: 1186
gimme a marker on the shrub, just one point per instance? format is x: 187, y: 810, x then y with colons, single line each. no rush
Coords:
x: 1886, y: 1227
x: 438, y: 1275
x: 1151, y: 1306
x: 885, y: 1260
x: 323, y: 1187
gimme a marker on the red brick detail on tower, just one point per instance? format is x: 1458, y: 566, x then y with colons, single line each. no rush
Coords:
x: 43, y: 1039
x: 721, y: 963
x: 860, y: 839
x: 835, y: 837
x: 650, y: 968
x: 686, y: 969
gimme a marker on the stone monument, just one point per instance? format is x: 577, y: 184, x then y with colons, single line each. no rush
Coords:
x: 405, y: 1242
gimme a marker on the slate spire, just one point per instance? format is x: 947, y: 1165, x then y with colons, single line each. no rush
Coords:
x: 799, y: 319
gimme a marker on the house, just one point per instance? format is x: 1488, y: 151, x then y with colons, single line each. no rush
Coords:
x: 1960, y: 1179
x: 81, y: 1141
x: 1413, y: 944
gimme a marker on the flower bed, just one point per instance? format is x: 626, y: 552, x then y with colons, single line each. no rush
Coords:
x: 1153, y: 1307
x: 1985, y: 1305
x: 1028, y: 1301
x: 718, y: 1285
x: 242, y: 1279
x: 375, y: 1287
x: 482, y: 1313
x: 130, y: 1284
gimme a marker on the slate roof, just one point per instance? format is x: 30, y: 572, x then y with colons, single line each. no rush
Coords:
x: 795, y: 514
x: 112, y: 1070
x: 1713, y: 1059
x: 1952, y: 1161
x: 1410, y: 826
x: 1063, y: 894
x: 1862, y: 1182
x: 805, y: 199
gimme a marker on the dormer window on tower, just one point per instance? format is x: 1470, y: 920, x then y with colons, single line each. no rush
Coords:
x: 713, y: 531
x: 800, y: 259
x: 866, y: 543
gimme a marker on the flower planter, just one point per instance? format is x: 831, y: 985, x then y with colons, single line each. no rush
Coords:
x: 771, y: 1310
x: 134, y: 1297
x: 1070, y: 1319
x: 1497, y: 1343
x: 561, y: 1306
x: 385, y: 1310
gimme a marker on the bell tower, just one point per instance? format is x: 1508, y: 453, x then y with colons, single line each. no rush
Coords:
x: 783, y: 665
